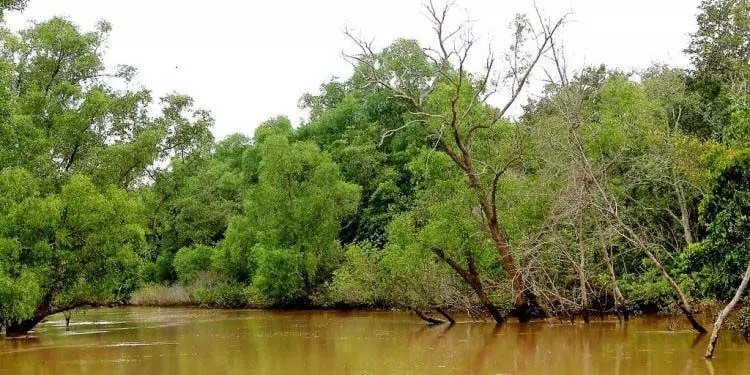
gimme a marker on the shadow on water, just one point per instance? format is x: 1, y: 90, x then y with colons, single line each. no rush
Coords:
x: 155, y: 341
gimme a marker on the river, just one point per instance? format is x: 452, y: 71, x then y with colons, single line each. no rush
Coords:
x: 192, y: 341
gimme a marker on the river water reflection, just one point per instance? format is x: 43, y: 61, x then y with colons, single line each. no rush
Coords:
x: 191, y: 341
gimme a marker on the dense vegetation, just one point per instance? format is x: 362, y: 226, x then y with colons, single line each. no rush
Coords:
x: 409, y: 185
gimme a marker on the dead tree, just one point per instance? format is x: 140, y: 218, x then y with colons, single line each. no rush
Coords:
x: 723, y: 314
x: 455, y: 130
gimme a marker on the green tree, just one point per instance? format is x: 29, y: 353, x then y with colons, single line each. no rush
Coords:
x: 288, y: 230
x: 75, y: 156
x: 449, y: 102
x: 74, y: 248
x: 720, y: 54
x: 719, y: 260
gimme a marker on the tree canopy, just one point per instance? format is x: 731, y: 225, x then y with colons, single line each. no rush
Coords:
x: 409, y: 184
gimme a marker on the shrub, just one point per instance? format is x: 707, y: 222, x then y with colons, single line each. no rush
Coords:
x: 357, y: 281
x: 189, y: 261
x: 743, y: 321
x: 223, y: 295
x: 162, y: 295
x: 648, y: 292
x: 278, y: 278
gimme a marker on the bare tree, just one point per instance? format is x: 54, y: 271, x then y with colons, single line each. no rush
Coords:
x: 596, y: 172
x: 454, y: 131
x: 610, y: 208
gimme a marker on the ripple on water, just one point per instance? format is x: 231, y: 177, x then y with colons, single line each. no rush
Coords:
x: 136, y: 343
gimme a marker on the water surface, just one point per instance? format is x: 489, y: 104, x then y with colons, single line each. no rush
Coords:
x: 191, y: 341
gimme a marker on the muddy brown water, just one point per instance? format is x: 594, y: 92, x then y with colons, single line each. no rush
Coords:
x: 190, y: 341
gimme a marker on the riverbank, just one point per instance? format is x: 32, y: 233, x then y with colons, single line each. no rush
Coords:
x: 238, y: 297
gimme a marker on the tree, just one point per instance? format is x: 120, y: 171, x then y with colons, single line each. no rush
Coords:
x: 191, y: 203
x: 624, y: 172
x: 285, y: 240
x: 11, y: 5
x: 451, y: 103
x: 725, y: 247
x: 352, y: 121
x: 720, y: 54
x: 74, y: 152
x: 75, y: 248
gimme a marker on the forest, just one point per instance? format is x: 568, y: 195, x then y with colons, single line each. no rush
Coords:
x: 412, y: 184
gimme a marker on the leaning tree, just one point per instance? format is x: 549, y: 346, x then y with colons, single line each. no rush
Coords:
x: 453, y: 104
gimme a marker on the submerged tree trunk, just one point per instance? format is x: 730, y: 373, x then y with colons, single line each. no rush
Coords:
x: 426, y: 318
x: 67, y: 319
x: 723, y: 314
x: 22, y: 328
x: 445, y: 314
x: 582, y: 274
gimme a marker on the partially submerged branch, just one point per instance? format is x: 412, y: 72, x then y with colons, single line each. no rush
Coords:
x: 723, y: 314
x: 426, y: 318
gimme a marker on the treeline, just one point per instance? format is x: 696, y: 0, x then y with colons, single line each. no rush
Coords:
x: 409, y: 185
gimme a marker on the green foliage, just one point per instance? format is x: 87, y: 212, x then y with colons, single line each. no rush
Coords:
x: 75, y: 153
x: 359, y: 279
x: 741, y: 322
x: 19, y: 295
x: 103, y: 189
x: 278, y: 277
x: 720, y: 46
x: 647, y: 292
x: 721, y: 258
x: 721, y: 59
x: 285, y: 240
x: 189, y: 261
x: 224, y: 295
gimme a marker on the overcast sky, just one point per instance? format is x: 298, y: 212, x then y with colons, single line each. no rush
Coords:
x: 246, y: 61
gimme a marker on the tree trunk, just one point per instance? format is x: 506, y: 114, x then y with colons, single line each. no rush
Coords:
x: 723, y: 314
x: 682, y: 301
x: 619, y: 298
x: 684, y: 216
x: 471, y: 278
x: 680, y: 297
x: 525, y: 304
x: 584, y: 293
x: 22, y: 328
x: 424, y: 317
x: 445, y: 314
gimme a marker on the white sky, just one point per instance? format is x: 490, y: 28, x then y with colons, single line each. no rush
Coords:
x: 246, y: 61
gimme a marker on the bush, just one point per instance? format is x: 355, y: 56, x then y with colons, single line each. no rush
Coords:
x: 189, y: 261
x: 164, y: 269
x: 278, y: 278
x: 357, y: 280
x: 224, y: 295
x: 162, y: 295
x: 648, y: 292
x: 743, y: 321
